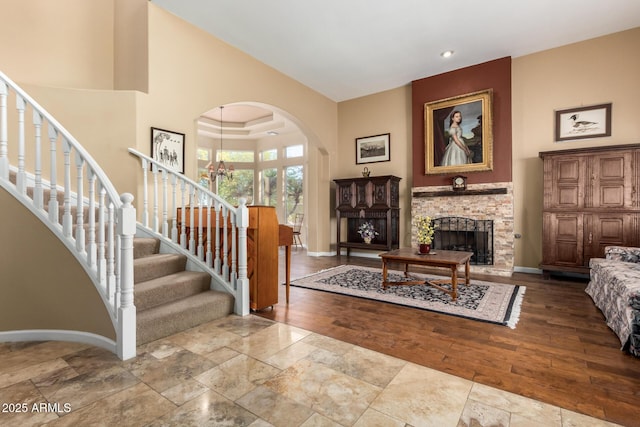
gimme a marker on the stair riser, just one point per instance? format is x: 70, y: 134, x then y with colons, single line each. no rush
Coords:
x: 169, y: 319
x: 152, y: 267
x: 170, y: 288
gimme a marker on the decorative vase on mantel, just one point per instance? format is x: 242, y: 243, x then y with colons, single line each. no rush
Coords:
x: 424, y: 248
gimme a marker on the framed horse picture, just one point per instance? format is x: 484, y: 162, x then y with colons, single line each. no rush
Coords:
x: 167, y: 148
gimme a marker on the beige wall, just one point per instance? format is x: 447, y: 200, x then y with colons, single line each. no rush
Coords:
x: 66, y: 43
x: 191, y: 72
x: 42, y: 285
x: 601, y: 70
x: 384, y: 112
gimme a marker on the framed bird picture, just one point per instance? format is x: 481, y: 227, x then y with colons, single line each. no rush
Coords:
x: 583, y: 122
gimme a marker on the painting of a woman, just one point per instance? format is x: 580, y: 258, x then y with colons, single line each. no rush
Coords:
x: 458, y: 134
x: 457, y: 152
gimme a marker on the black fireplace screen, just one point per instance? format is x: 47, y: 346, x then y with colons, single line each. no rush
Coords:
x: 465, y: 234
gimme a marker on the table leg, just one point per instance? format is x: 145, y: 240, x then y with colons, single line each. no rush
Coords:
x: 384, y: 273
x: 288, y: 268
x: 454, y: 282
x: 466, y: 273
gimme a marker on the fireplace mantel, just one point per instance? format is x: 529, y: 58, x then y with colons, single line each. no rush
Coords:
x: 447, y: 193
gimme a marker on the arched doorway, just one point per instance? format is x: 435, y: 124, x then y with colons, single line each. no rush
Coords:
x: 263, y: 153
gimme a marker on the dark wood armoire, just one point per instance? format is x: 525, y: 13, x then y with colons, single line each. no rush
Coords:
x: 590, y: 201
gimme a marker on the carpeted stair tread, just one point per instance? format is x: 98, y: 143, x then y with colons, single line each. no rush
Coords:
x: 168, y: 319
x: 145, y: 246
x: 158, y: 265
x: 162, y: 290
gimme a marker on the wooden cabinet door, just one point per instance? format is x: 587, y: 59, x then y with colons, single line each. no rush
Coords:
x: 610, y: 180
x: 608, y: 229
x: 344, y: 194
x: 563, y: 239
x: 564, y: 182
x: 363, y: 193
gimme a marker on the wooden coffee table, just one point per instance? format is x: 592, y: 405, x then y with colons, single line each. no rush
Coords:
x: 437, y: 258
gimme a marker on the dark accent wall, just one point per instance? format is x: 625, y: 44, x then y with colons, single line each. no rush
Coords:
x: 494, y: 75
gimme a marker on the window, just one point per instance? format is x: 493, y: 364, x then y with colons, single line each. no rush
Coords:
x: 240, y: 186
x: 293, y: 192
x: 269, y: 155
x: 235, y: 156
x: 293, y: 151
x: 203, y: 154
x: 269, y: 187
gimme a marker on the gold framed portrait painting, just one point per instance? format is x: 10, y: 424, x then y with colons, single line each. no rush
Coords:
x: 459, y: 134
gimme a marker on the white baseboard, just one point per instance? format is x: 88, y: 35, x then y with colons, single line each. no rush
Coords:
x: 59, y: 335
x: 529, y: 270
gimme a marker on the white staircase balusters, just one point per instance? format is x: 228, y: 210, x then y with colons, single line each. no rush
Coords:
x: 145, y: 195
x: 217, y: 264
x: 200, y: 250
x: 111, y: 256
x: 165, y: 204
x: 91, y: 220
x: 4, y: 158
x: 225, y: 247
x: 192, y: 231
x: 156, y: 219
x: 53, y: 196
x: 67, y: 219
x: 174, y: 199
x: 37, y: 190
x: 21, y: 181
x: 209, y: 254
x: 224, y: 254
x: 183, y: 219
x: 79, y: 203
x: 102, y: 255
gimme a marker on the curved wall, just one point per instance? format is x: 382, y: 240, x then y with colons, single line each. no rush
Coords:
x: 42, y: 285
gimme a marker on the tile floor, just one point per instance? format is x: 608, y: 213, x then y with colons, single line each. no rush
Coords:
x: 241, y: 371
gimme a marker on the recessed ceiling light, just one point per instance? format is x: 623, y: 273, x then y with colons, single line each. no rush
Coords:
x: 272, y: 133
x: 446, y: 53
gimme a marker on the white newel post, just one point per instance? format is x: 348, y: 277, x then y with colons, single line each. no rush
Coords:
x: 4, y: 159
x: 242, y: 284
x: 127, y: 311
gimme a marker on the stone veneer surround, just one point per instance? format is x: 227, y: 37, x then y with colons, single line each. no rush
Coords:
x: 479, y: 202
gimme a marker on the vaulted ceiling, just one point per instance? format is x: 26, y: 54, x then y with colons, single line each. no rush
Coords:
x: 346, y: 49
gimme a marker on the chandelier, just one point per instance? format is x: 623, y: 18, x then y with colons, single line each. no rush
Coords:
x: 222, y: 171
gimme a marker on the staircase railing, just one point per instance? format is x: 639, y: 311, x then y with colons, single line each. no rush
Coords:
x: 78, y: 203
x: 220, y: 248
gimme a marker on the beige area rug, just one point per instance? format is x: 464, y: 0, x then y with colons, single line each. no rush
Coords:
x: 490, y: 302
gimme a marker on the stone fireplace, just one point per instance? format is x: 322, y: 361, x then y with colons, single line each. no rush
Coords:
x: 479, y: 202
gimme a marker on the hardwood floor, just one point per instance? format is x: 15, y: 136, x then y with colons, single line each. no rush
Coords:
x: 561, y: 351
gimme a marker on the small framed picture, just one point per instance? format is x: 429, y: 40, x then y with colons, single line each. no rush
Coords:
x: 583, y: 122
x: 167, y: 148
x: 372, y: 149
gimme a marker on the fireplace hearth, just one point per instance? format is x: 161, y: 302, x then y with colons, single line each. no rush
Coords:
x: 465, y: 234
